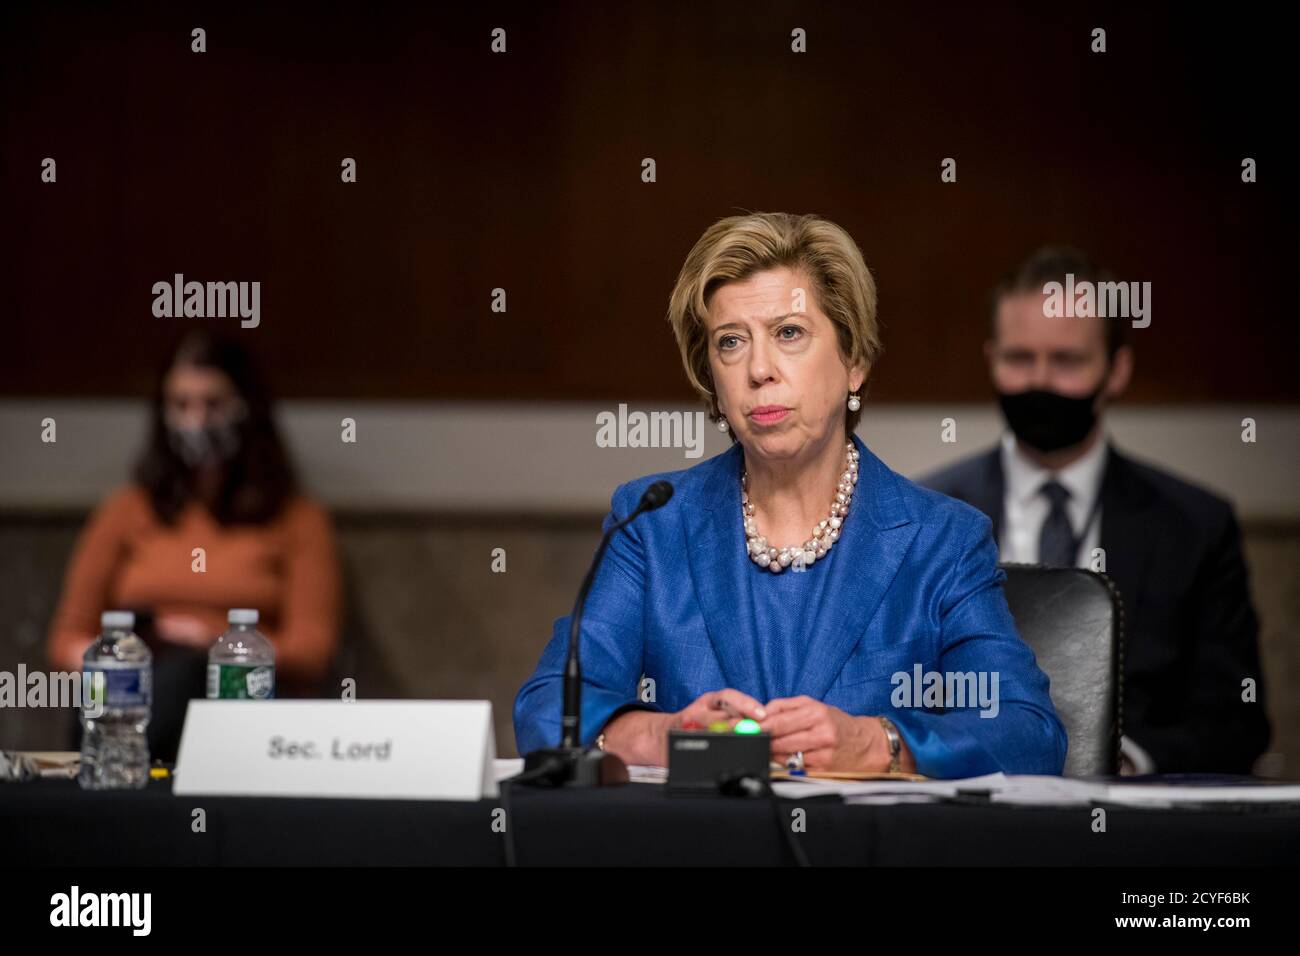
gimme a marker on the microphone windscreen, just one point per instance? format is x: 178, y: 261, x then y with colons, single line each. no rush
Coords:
x: 656, y: 496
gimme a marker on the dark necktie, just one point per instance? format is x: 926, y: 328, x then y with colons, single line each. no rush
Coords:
x: 1057, y: 546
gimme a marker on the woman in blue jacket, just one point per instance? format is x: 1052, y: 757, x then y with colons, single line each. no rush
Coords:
x: 795, y: 579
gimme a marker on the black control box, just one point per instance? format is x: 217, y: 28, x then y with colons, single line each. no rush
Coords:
x: 706, y: 762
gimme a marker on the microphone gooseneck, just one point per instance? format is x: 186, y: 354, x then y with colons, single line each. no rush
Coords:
x: 656, y: 496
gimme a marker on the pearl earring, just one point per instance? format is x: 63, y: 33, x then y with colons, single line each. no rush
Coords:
x: 722, y: 425
x: 854, y: 402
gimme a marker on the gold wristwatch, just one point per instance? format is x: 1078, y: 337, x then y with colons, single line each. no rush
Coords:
x: 895, y: 743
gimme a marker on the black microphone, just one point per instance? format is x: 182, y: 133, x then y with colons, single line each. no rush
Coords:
x: 656, y: 496
x: 569, y: 764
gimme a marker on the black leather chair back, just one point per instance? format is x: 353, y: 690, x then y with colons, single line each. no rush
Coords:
x: 1074, y: 621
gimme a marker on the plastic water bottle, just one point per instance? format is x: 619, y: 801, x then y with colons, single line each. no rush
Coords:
x: 118, y: 676
x: 241, y: 665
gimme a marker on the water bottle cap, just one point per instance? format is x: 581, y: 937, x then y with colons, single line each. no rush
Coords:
x: 117, y: 620
x: 242, y: 615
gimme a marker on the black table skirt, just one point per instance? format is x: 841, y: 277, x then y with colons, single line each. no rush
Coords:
x: 56, y: 823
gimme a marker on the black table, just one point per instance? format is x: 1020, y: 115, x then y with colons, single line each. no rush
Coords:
x: 51, y: 822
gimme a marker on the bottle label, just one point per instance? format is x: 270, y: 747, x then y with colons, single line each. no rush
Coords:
x: 241, y: 682
x: 114, y: 687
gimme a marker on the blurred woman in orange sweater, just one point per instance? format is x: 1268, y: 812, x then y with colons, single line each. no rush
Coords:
x: 214, y: 476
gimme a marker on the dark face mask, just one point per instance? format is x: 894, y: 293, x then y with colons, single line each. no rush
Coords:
x: 1049, y: 421
x: 210, y: 445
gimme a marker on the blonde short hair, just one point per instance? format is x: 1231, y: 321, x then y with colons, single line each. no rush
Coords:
x: 735, y: 248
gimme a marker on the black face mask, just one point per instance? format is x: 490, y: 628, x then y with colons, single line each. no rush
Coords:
x: 1049, y: 421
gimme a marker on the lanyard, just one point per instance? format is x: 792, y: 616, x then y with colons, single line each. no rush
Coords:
x: 1087, y: 525
x: 1081, y: 537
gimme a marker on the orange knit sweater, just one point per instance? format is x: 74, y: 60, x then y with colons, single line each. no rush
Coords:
x: 127, y: 558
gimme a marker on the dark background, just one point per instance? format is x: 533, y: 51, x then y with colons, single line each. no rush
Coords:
x: 522, y: 171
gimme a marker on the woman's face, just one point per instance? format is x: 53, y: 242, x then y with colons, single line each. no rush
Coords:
x: 197, y: 397
x: 772, y: 348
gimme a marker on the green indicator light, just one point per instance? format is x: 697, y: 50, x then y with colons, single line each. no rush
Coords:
x: 748, y: 727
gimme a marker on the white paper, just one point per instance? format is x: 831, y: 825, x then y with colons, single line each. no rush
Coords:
x: 1148, y: 794
x: 504, y: 767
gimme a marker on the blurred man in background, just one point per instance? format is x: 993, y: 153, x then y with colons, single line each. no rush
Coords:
x: 1057, y: 489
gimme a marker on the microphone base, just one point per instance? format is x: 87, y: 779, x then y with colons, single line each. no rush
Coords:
x: 575, y: 767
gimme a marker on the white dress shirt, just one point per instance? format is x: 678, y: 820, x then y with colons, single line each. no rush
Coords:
x: 1024, y: 508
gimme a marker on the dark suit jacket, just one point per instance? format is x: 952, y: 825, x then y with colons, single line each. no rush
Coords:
x: 1174, y: 552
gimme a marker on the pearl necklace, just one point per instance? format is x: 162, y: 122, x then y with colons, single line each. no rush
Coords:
x: 824, y: 535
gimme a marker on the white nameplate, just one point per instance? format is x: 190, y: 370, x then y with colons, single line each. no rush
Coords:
x: 378, y: 749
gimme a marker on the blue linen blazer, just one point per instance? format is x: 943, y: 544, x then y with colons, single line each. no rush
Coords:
x: 913, y: 581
